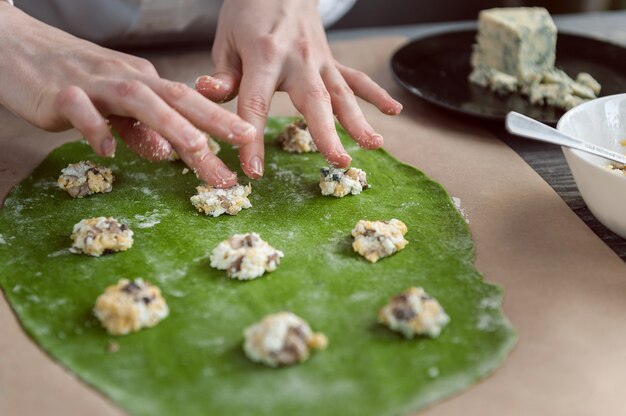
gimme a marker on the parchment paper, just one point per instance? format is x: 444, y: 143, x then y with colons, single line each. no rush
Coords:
x: 565, y: 290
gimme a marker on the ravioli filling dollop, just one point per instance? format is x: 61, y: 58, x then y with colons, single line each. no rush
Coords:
x: 377, y: 239
x: 414, y: 312
x: 295, y: 138
x: 282, y: 339
x: 129, y: 306
x: 85, y: 178
x: 95, y: 236
x: 217, y: 201
x: 341, y: 182
x: 245, y: 256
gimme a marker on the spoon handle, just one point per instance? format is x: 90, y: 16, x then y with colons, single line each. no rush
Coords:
x: 523, y: 126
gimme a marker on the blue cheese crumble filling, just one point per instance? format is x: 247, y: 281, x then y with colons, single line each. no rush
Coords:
x: 295, y: 138
x: 414, y: 312
x: 99, y: 235
x: 217, y: 201
x: 85, y: 178
x: 282, y: 339
x: 129, y: 306
x: 341, y: 182
x: 245, y: 256
x: 377, y: 239
x: 515, y: 51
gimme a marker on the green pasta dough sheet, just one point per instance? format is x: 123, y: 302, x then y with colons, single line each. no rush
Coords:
x: 192, y: 363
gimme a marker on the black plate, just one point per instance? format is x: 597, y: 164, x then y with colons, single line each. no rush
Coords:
x: 436, y: 68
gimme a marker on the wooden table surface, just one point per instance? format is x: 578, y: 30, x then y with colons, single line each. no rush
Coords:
x: 546, y: 159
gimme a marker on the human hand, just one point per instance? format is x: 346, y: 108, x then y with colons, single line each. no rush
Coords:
x: 56, y: 81
x: 261, y: 47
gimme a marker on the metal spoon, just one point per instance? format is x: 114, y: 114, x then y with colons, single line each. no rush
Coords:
x: 521, y: 125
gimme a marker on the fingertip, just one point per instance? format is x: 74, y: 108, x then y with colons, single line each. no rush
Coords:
x: 215, y: 88
x: 372, y: 142
x: 393, y: 109
x: 107, y: 147
x: 341, y: 160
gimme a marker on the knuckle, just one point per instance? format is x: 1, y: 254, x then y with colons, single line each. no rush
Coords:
x: 145, y: 66
x: 342, y: 90
x: 175, y: 90
x: 129, y: 88
x: 164, y: 118
x: 67, y: 97
x: 303, y: 48
x: 256, y: 104
x: 361, y: 76
x: 271, y: 47
x: 318, y: 93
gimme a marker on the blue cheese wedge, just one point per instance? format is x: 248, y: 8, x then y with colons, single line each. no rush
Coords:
x: 414, y: 312
x: 282, y: 339
x: 515, y: 51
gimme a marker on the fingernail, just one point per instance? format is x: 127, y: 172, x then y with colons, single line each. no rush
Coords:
x: 256, y: 166
x: 108, y: 146
x: 224, y: 174
x: 241, y: 128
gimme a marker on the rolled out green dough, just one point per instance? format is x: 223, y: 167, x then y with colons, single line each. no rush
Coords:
x: 192, y: 363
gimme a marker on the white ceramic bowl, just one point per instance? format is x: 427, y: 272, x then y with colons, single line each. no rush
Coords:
x: 602, y: 122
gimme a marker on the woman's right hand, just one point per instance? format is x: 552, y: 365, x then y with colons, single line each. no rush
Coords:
x: 56, y: 81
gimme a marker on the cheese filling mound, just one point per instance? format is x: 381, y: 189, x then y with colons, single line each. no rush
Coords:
x: 85, y: 178
x: 95, y: 236
x: 377, y: 239
x: 217, y: 201
x: 282, y: 339
x: 414, y: 312
x: 295, y: 138
x: 129, y: 306
x: 515, y: 50
x: 245, y: 256
x: 340, y: 182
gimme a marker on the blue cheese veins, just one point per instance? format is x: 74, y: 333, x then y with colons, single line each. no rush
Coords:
x: 515, y: 51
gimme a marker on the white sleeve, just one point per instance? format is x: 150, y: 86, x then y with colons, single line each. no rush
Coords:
x: 333, y: 10
x: 127, y: 20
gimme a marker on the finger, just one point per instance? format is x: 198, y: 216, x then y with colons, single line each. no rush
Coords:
x: 140, y: 138
x: 369, y: 90
x: 204, y: 114
x: 135, y: 99
x: 255, y: 94
x: 348, y: 111
x: 75, y: 106
x: 312, y: 99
